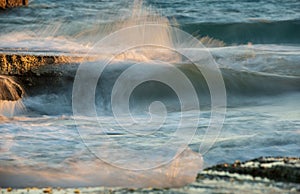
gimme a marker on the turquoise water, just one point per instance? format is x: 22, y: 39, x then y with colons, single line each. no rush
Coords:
x: 259, y: 59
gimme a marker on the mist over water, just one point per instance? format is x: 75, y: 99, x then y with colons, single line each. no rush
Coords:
x: 41, y: 145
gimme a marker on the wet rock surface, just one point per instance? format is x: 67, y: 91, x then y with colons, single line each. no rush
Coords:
x: 22, y: 65
x: 10, y: 90
x: 12, y: 3
x: 252, y: 176
x: 34, y: 72
x: 279, y: 169
x: 2, y: 4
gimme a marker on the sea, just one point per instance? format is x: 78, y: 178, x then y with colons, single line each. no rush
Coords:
x: 165, y: 89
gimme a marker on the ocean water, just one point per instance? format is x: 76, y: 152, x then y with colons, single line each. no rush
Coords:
x: 66, y: 137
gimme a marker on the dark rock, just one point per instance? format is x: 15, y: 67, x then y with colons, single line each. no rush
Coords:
x: 35, y: 72
x: 10, y: 90
x: 282, y: 169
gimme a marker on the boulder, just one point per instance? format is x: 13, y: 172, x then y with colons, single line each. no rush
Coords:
x: 3, y: 4
x: 21, y: 64
x: 12, y: 3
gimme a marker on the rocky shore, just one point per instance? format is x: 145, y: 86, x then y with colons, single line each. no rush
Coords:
x: 12, y: 3
x: 261, y: 175
x: 23, y: 64
x: 33, y: 71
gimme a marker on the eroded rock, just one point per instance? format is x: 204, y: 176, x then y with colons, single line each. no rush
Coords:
x: 16, y: 64
x: 283, y: 169
x: 12, y: 3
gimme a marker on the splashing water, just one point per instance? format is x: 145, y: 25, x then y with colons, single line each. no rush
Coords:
x: 178, y: 172
x: 141, y: 16
x: 45, y: 149
x: 10, y: 96
x: 143, y: 37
